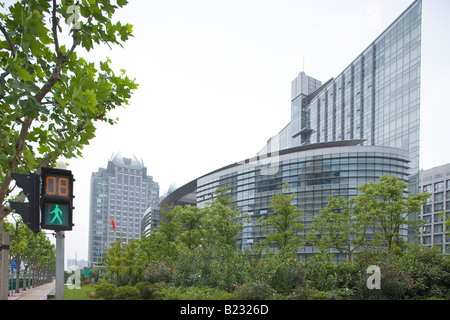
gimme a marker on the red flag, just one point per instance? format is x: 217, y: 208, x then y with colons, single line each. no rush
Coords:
x: 113, y: 224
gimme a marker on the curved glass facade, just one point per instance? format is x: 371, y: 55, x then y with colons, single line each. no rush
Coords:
x: 313, y: 174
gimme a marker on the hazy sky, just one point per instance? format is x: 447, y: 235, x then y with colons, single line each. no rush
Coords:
x: 215, y: 79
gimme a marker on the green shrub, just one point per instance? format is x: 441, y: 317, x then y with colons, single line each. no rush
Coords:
x: 194, y: 293
x: 341, y: 294
x: 255, y: 290
x: 319, y: 295
x: 430, y: 271
x: 105, y: 290
x: 395, y: 281
x: 320, y: 272
x: 348, y: 275
x: 127, y: 293
x: 287, y: 277
x: 147, y: 290
x: 158, y: 272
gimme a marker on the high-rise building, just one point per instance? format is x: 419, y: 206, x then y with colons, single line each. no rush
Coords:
x: 120, y: 195
x: 376, y: 98
x: 436, y: 181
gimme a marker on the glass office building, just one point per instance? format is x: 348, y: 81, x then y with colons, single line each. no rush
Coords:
x: 376, y: 98
x: 436, y: 181
x: 120, y: 193
x: 314, y: 172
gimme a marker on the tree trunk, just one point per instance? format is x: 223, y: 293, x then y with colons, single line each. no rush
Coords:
x: 34, y: 279
x: 25, y: 284
x: 18, y: 275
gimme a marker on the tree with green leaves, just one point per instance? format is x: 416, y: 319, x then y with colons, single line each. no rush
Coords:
x: 224, y: 224
x: 381, y: 210
x: 50, y: 97
x: 114, y: 259
x: 191, y: 221
x: 40, y: 255
x: 34, y: 250
x: 130, y: 265
x: 283, y: 224
x: 167, y: 235
x: 385, y: 207
x: 18, y: 244
x: 337, y: 227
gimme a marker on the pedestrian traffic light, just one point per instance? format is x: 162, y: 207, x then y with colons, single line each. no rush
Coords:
x: 30, y: 184
x: 56, y: 199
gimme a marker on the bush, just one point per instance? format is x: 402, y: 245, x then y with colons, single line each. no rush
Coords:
x: 221, y: 267
x: 147, y: 290
x: 319, y: 295
x: 395, y: 281
x: 127, y: 293
x: 158, y: 272
x: 348, y: 275
x: 255, y: 290
x: 105, y: 290
x: 430, y: 271
x: 287, y: 277
x: 320, y: 272
x: 302, y: 292
x: 194, y: 293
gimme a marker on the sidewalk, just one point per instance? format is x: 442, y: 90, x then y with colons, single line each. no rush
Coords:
x: 38, y: 293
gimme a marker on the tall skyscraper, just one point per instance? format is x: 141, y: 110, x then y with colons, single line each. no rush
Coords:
x: 120, y: 194
x: 376, y: 98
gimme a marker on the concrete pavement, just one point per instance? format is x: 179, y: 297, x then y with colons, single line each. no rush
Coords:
x: 38, y: 293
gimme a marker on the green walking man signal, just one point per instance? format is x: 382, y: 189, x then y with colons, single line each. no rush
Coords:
x: 57, y: 214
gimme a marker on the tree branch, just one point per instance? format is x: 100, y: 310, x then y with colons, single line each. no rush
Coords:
x: 56, y: 74
x: 13, y: 53
x: 7, y: 37
x: 14, y: 162
x: 2, y: 84
x: 55, y: 22
x: 75, y: 43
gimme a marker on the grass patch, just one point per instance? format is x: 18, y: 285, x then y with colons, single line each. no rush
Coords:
x: 78, y: 294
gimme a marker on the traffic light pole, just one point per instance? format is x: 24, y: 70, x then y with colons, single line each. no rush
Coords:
x: 4, y: 265
x: 59, y: 287
x: 49, y: 206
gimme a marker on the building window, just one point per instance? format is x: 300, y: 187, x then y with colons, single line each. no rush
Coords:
x: 438, y: 197
x: 438, y: 238
x: 439, y: 186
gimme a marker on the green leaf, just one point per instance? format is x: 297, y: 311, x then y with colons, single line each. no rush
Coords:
x: 24, y: 74
x: 29, y: 107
